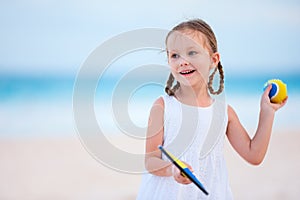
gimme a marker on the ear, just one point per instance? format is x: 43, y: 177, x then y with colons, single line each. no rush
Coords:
x: 215, y: 59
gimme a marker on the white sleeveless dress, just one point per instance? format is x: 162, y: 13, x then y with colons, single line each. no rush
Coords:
x: 203, y: 150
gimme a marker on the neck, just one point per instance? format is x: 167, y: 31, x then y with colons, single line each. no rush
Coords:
x: 195, y: 96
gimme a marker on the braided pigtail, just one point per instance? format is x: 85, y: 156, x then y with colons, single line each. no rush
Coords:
x: 168, y: 89
x: 211, y: 78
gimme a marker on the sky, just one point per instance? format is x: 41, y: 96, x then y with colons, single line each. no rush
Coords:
x: 56, y: 36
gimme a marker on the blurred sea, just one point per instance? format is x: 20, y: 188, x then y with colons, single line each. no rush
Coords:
x: 41, y: 106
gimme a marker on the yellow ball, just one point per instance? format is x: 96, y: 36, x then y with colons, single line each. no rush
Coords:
x: 278, y: 92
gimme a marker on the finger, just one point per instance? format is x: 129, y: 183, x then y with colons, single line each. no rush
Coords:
x: 191, y: 169
x: 189, y: 166
x: 183, y: 180
x: 176, y: 174
x: 186, y: 181
x: 283, y: 103
x: 267, y: 90
x: 175, y: 171
x: 180, y: 178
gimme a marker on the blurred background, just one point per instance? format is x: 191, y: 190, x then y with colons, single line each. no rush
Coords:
x: 44, y: 43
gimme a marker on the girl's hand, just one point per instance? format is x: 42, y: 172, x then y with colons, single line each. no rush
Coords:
x: 266, y: 102
x: 179, y: 177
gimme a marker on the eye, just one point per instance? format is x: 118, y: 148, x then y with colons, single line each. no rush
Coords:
x: 174, y: 55
x: 192, y: 53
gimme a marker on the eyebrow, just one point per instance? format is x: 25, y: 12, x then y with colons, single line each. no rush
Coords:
x: 176, y: 50
x: 172, y: 51
x: 191, y: 47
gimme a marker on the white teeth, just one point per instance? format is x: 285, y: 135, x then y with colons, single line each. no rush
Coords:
x: 186, y: 72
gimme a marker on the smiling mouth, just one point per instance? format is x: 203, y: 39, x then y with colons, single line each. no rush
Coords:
x: 187, y: 72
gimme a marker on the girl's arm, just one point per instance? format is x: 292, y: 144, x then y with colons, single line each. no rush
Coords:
x: 155, y: 134
x: 153, y: 162
x: 253, y: 150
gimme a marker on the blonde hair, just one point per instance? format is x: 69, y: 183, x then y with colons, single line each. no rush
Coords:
x: 200, y: 26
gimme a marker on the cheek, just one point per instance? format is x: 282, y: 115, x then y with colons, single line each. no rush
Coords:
x: 174, y: 72
x: 173, y: 65
x: 203, y: 68
x: 203, y: 65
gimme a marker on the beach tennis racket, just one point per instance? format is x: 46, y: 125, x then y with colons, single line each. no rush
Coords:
x: 183, y: 169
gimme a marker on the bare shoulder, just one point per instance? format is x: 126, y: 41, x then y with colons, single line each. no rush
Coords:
x: 159, y: 102
x: 234, y: 127
x: 157, y: 107
x: 231, y: 113
x: 155, y: 130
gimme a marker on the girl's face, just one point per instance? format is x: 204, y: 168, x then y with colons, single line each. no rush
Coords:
x: 189, y: 58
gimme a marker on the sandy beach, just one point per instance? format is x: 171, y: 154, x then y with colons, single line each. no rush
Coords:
x: 61, y: 168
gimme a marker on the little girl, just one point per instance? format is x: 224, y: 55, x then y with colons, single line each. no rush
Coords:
x: 189, y: 111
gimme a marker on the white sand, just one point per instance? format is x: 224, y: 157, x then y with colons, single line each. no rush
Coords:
x: 62, y: 169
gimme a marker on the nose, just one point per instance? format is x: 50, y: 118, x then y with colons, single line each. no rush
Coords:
x: 183, y: 62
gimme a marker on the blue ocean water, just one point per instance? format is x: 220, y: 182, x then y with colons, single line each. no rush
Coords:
x: 38, y: 106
